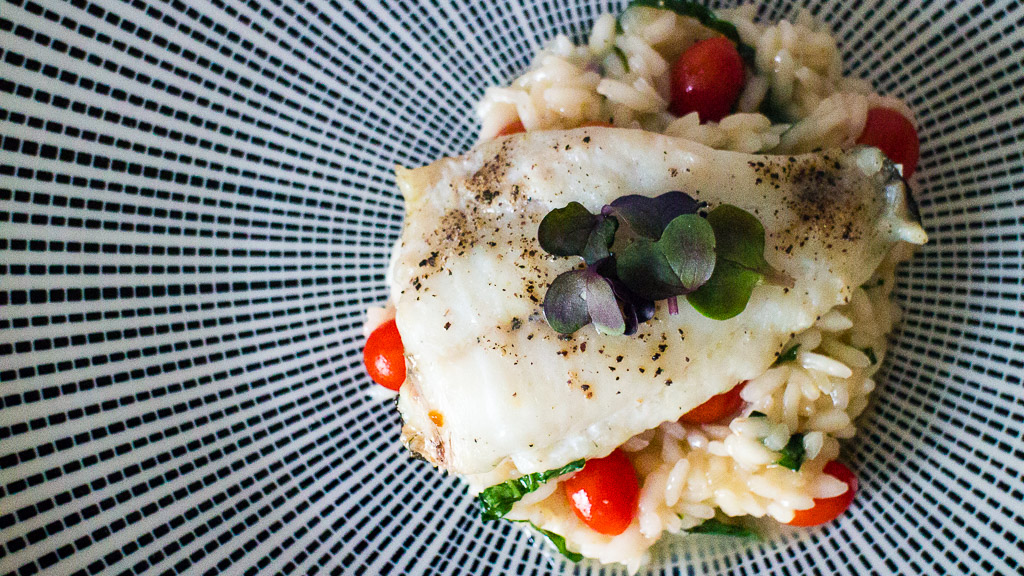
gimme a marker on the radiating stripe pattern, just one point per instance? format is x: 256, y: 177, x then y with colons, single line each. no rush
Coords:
x: 197, y: 205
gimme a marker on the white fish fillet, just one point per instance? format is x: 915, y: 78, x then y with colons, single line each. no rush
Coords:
x: 494, y: 392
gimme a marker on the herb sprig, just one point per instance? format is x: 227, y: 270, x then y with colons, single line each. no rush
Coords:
x: 497, y: 500
x: 788, y: 356
x: 640, y: 249
x: 717, y: 527
x: 557, y: 540
x: 793, y: 453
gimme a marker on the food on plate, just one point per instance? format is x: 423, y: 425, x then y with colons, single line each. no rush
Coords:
x: 653, y: 298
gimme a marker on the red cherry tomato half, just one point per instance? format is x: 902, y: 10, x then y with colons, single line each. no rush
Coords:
x: 513, y: 128
x: 384, y: 356
x: 707, y: 79
x: 716, y: 408
x: 605, y: 493
x: 828, y: 509
x: 891, y: 132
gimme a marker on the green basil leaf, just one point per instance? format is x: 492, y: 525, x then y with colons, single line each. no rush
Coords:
x: 559, y: 541
x: 566, y: 231
x: 622, y: 57
x: 715, y: 526
x: 688, y: 244
x: 497, y: 500
x: 603, y: 307
x: 644, y: 269
x: 870, y: 353
x: 565, y: 307
x: 726, y: 293
x: 705, y: 16
x: 792, y: 452
x: 787, y: 356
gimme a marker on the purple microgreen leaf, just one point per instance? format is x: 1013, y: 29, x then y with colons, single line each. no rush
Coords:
x: 635, y: 309
x: 565, y: 306
x: 566, y: 231
x: 646, y: 271
x: 645, y: 217
x: 688, y: 244
x: 603, y: 307
x: 671, y: 205
x: 600, y: 240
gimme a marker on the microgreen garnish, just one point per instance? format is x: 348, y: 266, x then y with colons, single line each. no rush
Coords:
x: 787, y: 356
x: 715, y: 526
x: 566, y: 231
x: 646, y: 217
x: 497, y: 501
x: 639, y: 250
x: 579, y: 297
x: 705, y: 16
x: 678, y: 263
x: 740, y: 266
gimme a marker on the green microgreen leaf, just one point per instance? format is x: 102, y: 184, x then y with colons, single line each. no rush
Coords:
x: 792, y: 452
x: 678, y: 263
x: 739, y: 236
x: 566, y: 231
x: 715, y: 526
x: 688, y: 244
x: 726, y: 293
x: 600, y: 241
x: 788, y: 356
x: 705, y: 16
x: 646, y: 271
x: 497, y: 500
x: 740, y: 264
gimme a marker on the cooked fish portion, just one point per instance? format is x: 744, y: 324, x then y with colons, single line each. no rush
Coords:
x: 493, y: 390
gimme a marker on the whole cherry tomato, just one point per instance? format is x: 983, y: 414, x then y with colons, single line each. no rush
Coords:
x: 384, y: 356
x: 605, y: 493
x: 707, y: 79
